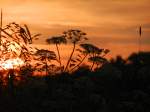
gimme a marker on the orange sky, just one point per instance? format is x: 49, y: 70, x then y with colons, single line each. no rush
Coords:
x: 109, y: 24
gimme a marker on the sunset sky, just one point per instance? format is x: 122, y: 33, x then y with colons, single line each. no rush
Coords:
x: 111, y: 24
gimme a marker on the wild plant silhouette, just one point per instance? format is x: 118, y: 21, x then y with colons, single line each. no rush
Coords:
x: 120, y: 85
x: 57, y: 41
x: 96, y: 55
x: 14, y: 42
x: 75, y: 36
x: 45, y: 56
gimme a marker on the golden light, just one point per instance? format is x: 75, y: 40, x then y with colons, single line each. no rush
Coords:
x: 11, y: 64
x: 10, y: 56
x: 14, y: 40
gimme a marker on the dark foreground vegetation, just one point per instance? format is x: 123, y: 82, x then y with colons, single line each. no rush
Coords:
x: 118, y: 86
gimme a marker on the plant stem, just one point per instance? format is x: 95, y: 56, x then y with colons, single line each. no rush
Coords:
x: 92, y: 66
x: 74, y: 45
x: 78, y: 65
x: 93, y: 62
x: 58, y: 55
x: 1, y: 23
x: 46, y: 67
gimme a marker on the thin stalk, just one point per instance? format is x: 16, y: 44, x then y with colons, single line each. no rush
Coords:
x: 1, y: 23
x: 6, y: 33
x: 139, y: 39
x: 11, y: 81
x: 46, y: 67
x: 92, y: 65
x: 78, y: 65
x: 74, y: 45
x: 93, y: 62
x: 139, y: 44
x: 102, y: 57
x: 58, y: 55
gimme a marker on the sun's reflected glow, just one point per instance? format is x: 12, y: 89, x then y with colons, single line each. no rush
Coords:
x: 11, y: 64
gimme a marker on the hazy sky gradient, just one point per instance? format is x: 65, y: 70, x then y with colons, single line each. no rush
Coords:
x: 110, y: 24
